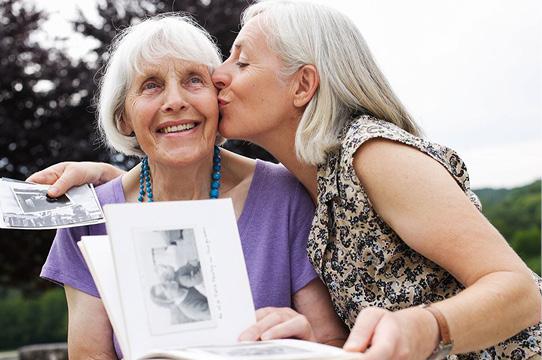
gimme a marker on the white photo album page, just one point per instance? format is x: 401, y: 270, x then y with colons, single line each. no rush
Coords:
x: 181, y: 273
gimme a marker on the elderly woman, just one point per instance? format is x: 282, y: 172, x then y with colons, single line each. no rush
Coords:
x: 396, y: 224
x: 157, y: 101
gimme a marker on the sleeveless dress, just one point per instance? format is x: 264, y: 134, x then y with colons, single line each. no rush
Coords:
x: 363, y: 261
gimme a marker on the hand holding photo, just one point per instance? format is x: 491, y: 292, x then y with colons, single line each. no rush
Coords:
x: 26, y: 205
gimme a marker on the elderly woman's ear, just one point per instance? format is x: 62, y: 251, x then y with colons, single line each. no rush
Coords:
x: 125, y: 126
x: 306, y: 81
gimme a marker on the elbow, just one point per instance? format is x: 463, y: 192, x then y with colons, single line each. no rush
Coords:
x: 532, y: 297
x: 85, y: 352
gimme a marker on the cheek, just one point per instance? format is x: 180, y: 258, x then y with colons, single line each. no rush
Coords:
x: 142, y: 111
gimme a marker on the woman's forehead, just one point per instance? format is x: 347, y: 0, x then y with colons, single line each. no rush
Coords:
x: 251, y: 35
x: 165, y: 65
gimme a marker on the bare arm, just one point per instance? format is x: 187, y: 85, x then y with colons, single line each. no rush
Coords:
x: 314, y: 320
x: 65, y: 175
x: 90, y: 335
x: 419, y: 199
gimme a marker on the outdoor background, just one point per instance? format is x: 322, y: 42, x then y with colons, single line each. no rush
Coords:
x: 470, y: 73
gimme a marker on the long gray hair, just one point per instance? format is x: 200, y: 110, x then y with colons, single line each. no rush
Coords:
x: 350, y: 82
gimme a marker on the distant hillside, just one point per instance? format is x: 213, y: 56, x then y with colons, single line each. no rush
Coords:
x: 516, y: 214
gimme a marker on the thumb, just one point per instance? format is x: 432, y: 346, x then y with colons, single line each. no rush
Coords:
x: 66, y: 181
x: 361, y: 334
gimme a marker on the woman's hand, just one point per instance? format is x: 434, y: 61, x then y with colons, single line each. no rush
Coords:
x: 278, y: 323
x: 65, y: 175
x: 403, y: 335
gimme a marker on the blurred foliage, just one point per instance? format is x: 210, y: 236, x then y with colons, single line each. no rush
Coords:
x: 33, y: 320
x: 516, y: 214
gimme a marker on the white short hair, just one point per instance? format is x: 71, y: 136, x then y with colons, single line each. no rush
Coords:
x: 351, y: 84
x: 165, y: 36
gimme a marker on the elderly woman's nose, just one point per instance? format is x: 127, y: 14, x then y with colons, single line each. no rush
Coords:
x: 173, y: 100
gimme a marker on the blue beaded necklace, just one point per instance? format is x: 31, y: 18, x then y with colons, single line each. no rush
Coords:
x: 145, y: 184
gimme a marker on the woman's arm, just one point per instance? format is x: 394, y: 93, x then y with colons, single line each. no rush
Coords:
x: 313, y: 319
x: 90, y: 335
x: 65, y: 175
x: 424, y: 205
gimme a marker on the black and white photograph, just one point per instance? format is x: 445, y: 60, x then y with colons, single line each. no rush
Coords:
x: 32, y: 201
x: 26, y: 206
x: 174, y: 278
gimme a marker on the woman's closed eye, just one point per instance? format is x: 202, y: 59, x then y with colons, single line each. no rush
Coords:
x: 241, y: 64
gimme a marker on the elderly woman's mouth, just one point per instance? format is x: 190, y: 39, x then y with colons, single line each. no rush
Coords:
x: 177, y: 128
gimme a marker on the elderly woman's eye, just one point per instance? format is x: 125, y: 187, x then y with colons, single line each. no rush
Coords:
x: 195, y: 80
x: 150, y: 85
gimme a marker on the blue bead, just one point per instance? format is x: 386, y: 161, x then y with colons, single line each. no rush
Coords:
x: 214, y: 193
x: 140, y: 199
x: 216, y: 176
x: 216, y: 159
x: 216, y: 167
x: 216, y: 150
x: 215, y: 184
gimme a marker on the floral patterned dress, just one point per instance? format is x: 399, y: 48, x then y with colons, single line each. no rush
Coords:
x: 363, y: 261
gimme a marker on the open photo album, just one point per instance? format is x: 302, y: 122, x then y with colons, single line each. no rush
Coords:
x: 25, y: 205
x: 173, y: 280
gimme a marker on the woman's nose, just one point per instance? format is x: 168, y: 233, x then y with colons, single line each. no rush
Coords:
x: 221, y: 77
x: 174, y: 100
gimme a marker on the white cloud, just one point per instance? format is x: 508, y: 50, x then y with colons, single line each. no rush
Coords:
x: 499, y: 165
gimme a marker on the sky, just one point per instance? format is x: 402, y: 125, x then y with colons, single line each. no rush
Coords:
x: 470, y: 72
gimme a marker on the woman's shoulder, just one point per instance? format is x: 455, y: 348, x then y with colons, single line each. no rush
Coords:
x: 276, y: 183
x: 110, y: 192
x: 367, y: 127
x: 276, y: 174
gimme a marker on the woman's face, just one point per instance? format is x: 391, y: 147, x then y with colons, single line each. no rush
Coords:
x: 172, y: 108
x: 254, y: 98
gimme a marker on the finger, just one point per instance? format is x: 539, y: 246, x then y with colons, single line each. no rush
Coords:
x: 385, y: 343
x: 69, y: 178
x: 41, y: 178
x: 46, y: 176
x: 362, y: 332
x: 296, y: 327
x: 263, y: 312
x: 266, y: 322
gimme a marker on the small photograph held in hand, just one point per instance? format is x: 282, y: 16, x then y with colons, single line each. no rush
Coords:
x: 26, y: 205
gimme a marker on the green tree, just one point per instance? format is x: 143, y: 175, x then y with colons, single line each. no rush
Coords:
x: 516, y: 214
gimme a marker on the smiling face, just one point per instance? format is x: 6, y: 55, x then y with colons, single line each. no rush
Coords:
x: 171, y: 107
x: 254, y: 98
